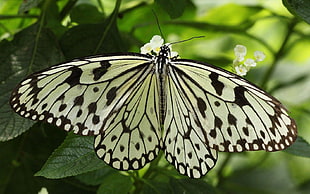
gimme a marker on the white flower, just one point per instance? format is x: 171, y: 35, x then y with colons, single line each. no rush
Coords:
x: 241, y: 65
x: 43, y: 191
x: 153, y: 46
x: 240, y: 52
x: 157, y: 41
x: 249, y: 63
x: 241, y: 70
x: 259, y: 56
x: 147, y: 48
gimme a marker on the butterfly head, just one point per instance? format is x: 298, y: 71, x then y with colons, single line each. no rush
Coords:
x: 164, y: 51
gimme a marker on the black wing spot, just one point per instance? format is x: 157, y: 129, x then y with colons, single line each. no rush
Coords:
x: 178, y: 151
x: 218, y: 86
x: 217, y: 103
x: 245, y: 131
x: 79, y: 113
x: 96, y: 119
x: 201, y: 106
x: 272, y: 131
x: 137, y: 146
x: 197, y: 146
x: 44, y: 106
x: 74, y: 78
x: 111, y: 94
x: 62, y: 107
x: 240, y: 98
x: 100, y: 71
x: 92, y: 107
x: 79, y: 100
x: 121, y: 148
x: 113, y: 138
x: 190, y: 155
x: 232, y: 119
x: 262, y: 133
x: 35, y: 100
x: 229, y: 131
x: 95, y: 89
x: 218, y: 122
x: 248, y: 121
x: 213, y: 133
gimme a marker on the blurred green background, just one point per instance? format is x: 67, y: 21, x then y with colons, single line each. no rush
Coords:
x: 35, y: 34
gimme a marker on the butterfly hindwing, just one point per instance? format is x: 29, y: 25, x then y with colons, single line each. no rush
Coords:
x: 234, y: 114
x: 132, y: 135
x: 183, y: 139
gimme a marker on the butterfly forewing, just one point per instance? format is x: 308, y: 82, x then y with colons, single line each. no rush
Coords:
x: 79, y: 95
x: 234, y: 114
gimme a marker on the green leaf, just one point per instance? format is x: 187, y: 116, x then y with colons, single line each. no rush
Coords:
x: 12, y: 124
x: 299, y: 8
x: 91, y: 39
x: 84, y: 40
x: 247, y: 15
x: 159, y: 185
x: 300, y: 148
x: 85, y: 14
x: 31, y: 50
x: 115, y: 184
x: 175, y: 9
x: 274, y: 179
x: 51, y: 16
x: 96, y: 177
x: 74, y: 156
x: 190, y: 186
x: 21, y: 157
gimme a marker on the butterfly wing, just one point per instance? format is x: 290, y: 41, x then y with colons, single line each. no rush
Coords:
x: 183, y: 139
x: 114, y: 97
x: 80, y: 95
x: 232, y: 114
x: 133, y: 135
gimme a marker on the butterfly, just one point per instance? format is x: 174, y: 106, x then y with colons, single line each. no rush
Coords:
x: 136, y: 104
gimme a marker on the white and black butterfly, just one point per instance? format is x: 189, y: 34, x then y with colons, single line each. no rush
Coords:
x: 138, y: 104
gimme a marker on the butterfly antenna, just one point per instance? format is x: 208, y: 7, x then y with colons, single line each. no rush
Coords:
x: 186, y: 40
x: 157, y: 22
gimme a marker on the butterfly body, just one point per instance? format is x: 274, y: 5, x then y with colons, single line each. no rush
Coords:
x: 161, y: 70
x: 138, y: 104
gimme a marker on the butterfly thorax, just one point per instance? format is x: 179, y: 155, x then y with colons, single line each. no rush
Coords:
x: 161, y: 62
